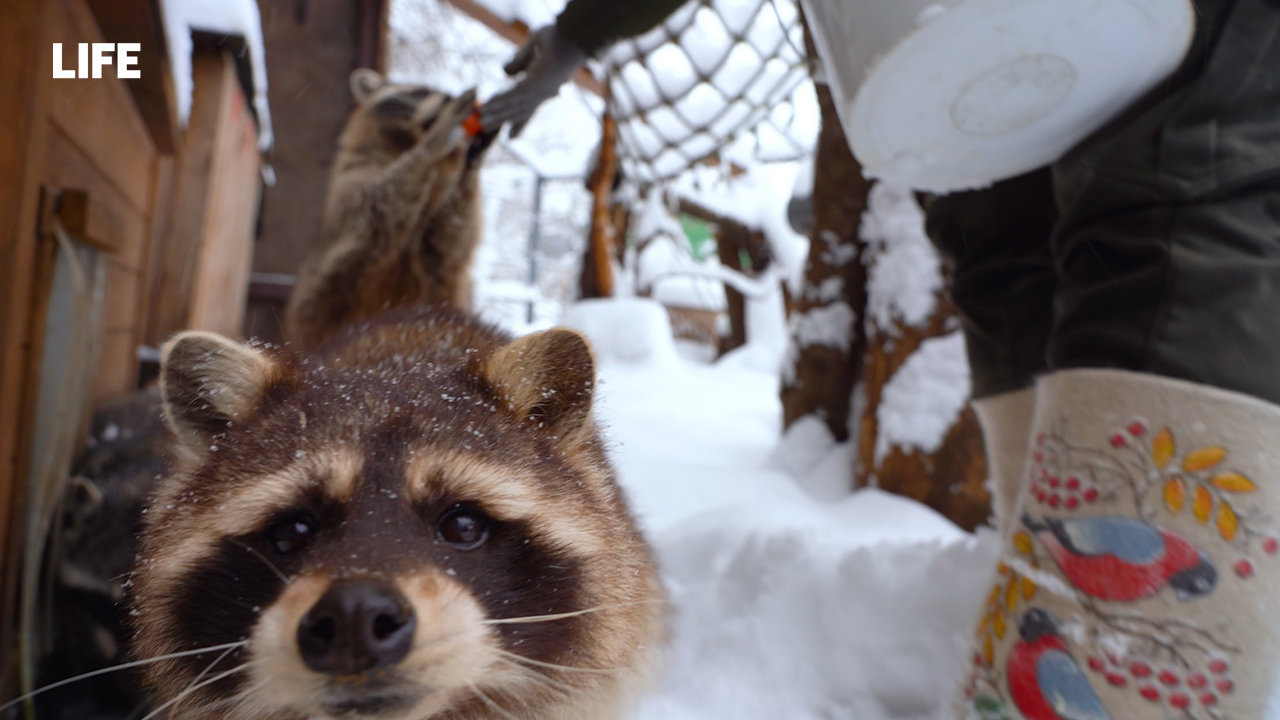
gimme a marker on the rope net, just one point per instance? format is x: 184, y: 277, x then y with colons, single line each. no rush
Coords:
x: 715, y: 71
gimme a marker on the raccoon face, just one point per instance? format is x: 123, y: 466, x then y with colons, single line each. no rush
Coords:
x: 415, y: 537
x: 395, y: 116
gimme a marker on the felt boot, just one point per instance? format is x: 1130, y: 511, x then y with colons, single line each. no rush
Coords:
x: 1006, y: 429
x: 1141, y: 580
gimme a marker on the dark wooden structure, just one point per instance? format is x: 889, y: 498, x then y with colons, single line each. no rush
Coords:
x: 101, y: 187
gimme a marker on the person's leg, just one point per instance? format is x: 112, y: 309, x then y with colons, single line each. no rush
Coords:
x: 996, y: 242
x: 1141, y: 582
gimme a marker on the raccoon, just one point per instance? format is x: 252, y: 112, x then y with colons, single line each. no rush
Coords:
x: 402, y: 216
x: 416, y: 522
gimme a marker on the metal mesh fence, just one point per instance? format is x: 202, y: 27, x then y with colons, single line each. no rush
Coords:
x: 714, y: 71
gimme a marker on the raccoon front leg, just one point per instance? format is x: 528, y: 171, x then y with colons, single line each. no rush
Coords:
x: 430, y: 171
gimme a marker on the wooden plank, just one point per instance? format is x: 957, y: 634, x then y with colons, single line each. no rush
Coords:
x: 139, y: 21
x: 113, y: 218
x: 101, y: 116
x: 221, y: 285
x: 26, y: 66
x: 117, y: 366
x: 180, y: 245
x: 120, y: 298
x: 161, y: 209
x: 517, y: 32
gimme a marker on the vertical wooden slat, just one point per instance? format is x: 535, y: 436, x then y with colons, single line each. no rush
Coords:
x: 26, y: 69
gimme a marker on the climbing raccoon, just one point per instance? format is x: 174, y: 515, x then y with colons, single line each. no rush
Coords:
x: 415, y: 522
x: 402, y: 217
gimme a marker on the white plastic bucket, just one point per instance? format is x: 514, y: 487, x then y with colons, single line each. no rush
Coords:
x: 945, y: 95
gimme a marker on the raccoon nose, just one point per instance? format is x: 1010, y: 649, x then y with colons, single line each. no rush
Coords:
x: 359, y: 625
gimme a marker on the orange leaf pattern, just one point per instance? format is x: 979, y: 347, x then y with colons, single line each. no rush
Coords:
x: 1162, y: 448
x: 1028, y: 588
x: 1175, y: 494
x: 1202, y: 505
x: 1233, y: 482
x: 1203, y: 458
x: 1228, y: 523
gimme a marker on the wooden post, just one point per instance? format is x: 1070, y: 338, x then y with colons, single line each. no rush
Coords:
x: 822, y: 380
x: 597, y: 268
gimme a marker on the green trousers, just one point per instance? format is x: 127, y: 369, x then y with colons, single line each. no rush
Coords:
x: 1153, y: 246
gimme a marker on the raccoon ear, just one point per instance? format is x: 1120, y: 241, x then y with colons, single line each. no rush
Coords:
x: 365, y: 82
x: 547, y: 376
x: 207, y: 382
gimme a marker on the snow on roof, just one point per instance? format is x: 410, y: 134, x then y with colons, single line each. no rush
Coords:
x: 232, y: 17
x: 756, y: 198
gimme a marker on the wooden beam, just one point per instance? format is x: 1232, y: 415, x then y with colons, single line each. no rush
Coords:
x: 138, y: 21
x: 26, y: 66
x: 517, y: 32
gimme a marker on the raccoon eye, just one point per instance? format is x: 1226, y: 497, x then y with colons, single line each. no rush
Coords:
x: 464, y: 528
x: 291, y: 535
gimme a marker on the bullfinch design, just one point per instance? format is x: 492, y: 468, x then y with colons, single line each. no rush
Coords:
x: 1045, y: 682
x: 1124, y: 559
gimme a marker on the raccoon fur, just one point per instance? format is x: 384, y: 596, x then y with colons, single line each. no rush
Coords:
x: 417, y: 521
x: 402, y: 216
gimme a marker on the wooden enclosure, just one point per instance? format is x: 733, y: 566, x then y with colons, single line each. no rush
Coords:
x: 102, y: 190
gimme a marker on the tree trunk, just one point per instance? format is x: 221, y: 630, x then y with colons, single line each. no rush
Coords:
x: 951, y: 479
x: 821, y: 380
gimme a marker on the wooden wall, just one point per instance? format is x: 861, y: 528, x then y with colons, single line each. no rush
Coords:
x: 312, y: 48
x: 113, y: 141
x: 201, y: 274
x: 63, y: 134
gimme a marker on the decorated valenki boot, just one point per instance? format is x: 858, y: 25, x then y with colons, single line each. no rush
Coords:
x: 1142, y: 581
x: 1006, y: 429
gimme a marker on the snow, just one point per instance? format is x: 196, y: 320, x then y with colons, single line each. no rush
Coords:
x: 830, y: 325
x: 924, y: 397
x: 904, y: 272
x: 231, y: 17
x: 789, y: 599
x: 756, y: 198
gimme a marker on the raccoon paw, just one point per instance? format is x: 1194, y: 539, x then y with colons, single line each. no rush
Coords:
x: 447, y: 134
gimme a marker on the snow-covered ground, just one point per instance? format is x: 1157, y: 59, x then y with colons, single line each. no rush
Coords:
x: 784, y: 606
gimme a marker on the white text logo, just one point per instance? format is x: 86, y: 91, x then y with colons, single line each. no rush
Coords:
x: 126, y: 55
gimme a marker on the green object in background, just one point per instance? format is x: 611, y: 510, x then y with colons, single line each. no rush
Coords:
x: 701, y: 235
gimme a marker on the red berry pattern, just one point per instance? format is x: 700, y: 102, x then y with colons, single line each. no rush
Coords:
x: 1148, y: 681
x: 1243, y: 568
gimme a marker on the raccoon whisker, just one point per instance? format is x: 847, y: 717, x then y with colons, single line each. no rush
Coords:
x: 540, y: 677
x: 265, y: 560
x: 183, y: 695
x: 238, y: 698
x: 122, y: 666
x: 487, y: 701
x: 563, y: 615
x: 554, y: 666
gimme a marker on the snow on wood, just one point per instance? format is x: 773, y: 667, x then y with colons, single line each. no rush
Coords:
x: 231, y: 17
x: 756, y: 198
x: 904, y: 272
x: 923, y: 400
x: 831, y: 325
